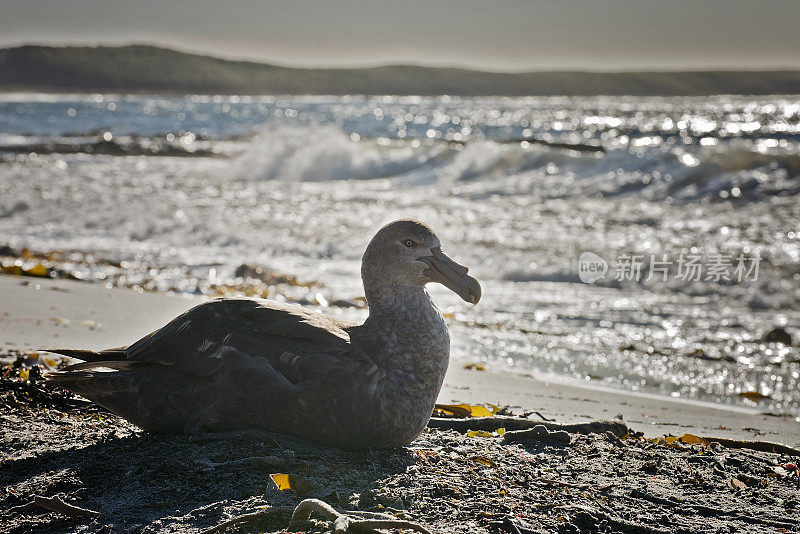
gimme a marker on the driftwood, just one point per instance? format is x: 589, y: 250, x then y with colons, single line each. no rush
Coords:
x: 587, y: 146
x: 538, y: 433
x: 490, y: 424
x: 247, y: 518
x: 579, y: 147
x: 760, y: 446
x: 55, y: 504
x: 342, y: 523
x: 520, y: 429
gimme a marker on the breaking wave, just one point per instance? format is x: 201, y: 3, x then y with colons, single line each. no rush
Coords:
x: 728, y: 170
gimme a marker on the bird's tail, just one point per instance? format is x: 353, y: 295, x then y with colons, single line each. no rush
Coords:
x: 115, y: 391
x: 91, y: 355
x: 150, y: 395
x: 80, y: 378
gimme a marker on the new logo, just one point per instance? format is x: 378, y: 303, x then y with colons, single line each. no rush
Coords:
x: 591, y: 267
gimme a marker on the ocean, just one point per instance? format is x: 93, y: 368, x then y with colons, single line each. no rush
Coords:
x: 647, y: 244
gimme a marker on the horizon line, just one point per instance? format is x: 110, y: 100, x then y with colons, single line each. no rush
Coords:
x: 302, y: 66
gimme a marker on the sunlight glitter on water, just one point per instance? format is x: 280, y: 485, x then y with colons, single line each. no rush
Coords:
x: 301, y: 184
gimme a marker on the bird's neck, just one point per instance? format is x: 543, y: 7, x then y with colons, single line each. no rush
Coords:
x: 390, y: 300
x: 414, y: 334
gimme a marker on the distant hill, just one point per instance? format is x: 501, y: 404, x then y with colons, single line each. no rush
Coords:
x: 140, y: 68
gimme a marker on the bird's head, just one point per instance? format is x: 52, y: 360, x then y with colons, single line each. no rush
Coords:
x: 408, y: 253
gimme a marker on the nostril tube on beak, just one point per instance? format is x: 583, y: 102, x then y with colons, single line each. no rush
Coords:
x: 453, y: 276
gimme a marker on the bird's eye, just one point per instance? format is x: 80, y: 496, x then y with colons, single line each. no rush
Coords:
x: 408, y: 243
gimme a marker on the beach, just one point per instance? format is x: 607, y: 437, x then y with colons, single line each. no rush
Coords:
x: 446, y: 480
x: 372, y: 267
x: 658, y: 394
x: 41, y: 313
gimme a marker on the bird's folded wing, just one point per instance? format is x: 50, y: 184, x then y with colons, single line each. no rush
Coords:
x: 286, y: 320
x: 200, y: 340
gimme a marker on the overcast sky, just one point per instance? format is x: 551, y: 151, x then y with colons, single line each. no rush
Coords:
x: 489, y: 34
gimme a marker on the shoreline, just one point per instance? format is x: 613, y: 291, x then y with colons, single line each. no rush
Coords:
x: 36, y: 313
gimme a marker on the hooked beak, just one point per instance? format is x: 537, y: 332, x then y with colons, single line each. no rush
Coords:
x: 452, y: 275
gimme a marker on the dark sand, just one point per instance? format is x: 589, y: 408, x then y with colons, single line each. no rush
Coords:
x: 446, y: 480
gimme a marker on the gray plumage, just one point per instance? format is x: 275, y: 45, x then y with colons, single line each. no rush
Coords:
x: 240, y: 363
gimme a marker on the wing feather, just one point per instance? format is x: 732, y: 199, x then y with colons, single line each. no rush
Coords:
x: 231, y: 362
x: 198, y: 341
